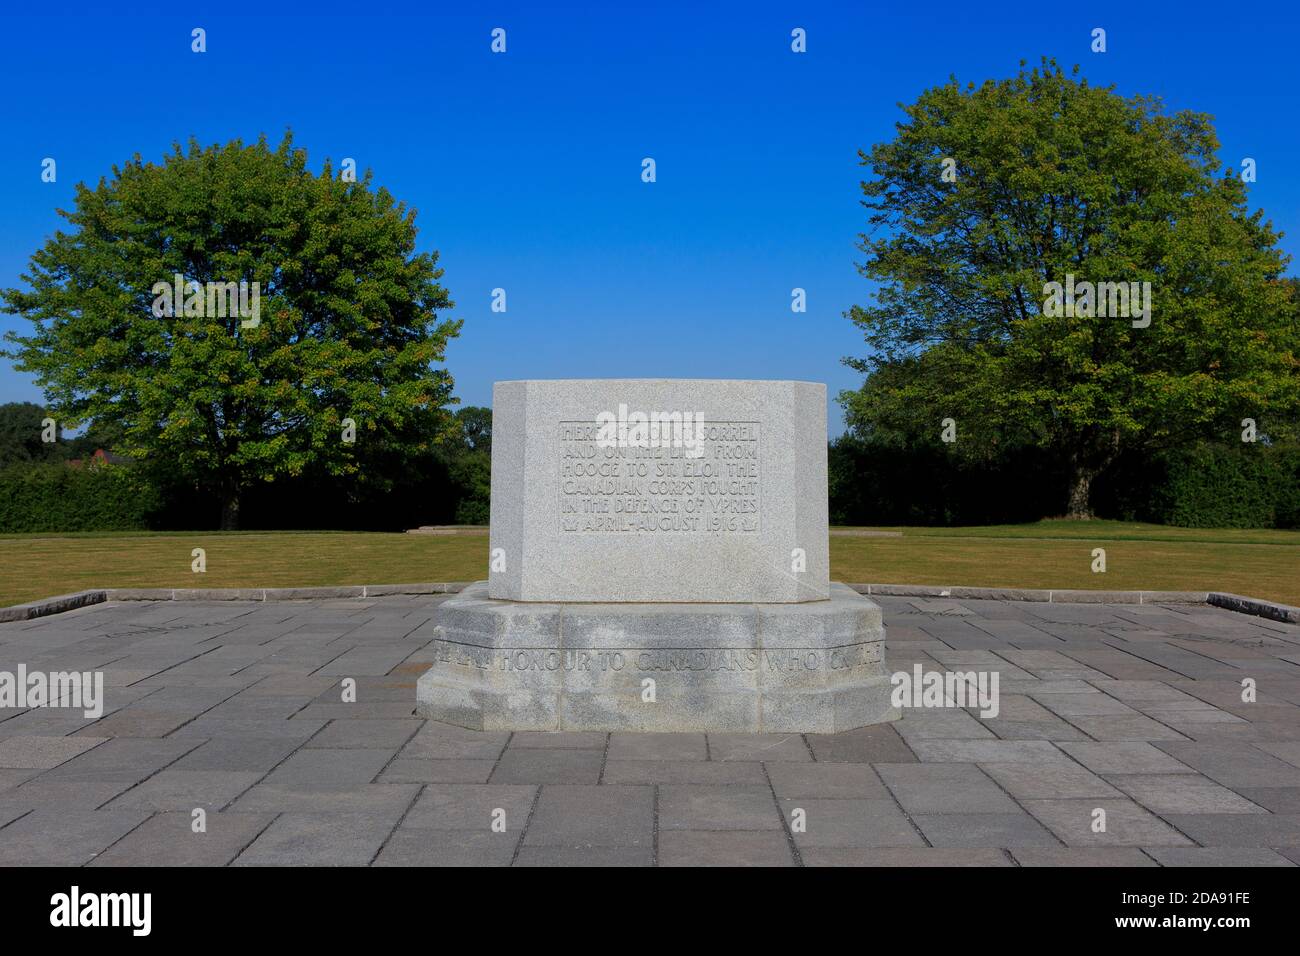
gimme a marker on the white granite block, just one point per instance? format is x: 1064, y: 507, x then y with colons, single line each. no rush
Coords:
x: 725, y: 503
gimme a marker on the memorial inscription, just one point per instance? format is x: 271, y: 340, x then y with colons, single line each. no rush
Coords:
x: 710, y: 485
x: 650, y: 661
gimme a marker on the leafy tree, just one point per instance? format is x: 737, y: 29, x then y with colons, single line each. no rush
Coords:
x: 471, y: 476
x: 21, y: 438
x: 348, y: 325
x: 987, y: 194
x: 469, y: 465
x: 476, y: 427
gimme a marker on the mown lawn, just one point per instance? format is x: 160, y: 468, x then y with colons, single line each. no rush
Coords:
x: 33, y: 566
x: 1047, y: 554
x: 1058, y: 554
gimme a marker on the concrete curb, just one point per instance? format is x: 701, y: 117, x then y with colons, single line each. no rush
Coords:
x: 280, y: 594
x: 1230, y: 602
x: 51, y: 605
x: 1250, y: 605
x: 68, y: 602
x: 1222, y: 599
x: 1053, y: 596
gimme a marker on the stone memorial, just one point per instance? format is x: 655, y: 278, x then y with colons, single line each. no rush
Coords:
x: 658, y: 561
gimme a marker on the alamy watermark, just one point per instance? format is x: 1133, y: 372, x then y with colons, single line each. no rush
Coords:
x: 75, y: 908
x: 661, y: 429
x: 1116, y: 300
x: 922, y: 688
x: 75, y: 689
x: 217, y: 300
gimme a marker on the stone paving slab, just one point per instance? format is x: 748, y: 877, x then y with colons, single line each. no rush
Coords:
x: 170, y: 839
x: 42, y: 753
x: 291, y: 726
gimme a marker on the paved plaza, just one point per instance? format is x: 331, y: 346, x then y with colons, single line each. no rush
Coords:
x: 237, y: 708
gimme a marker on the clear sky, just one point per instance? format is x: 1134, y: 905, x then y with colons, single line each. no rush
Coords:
x: 525, y: 167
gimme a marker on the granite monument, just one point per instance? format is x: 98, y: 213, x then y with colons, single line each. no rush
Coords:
x: 658, y: 561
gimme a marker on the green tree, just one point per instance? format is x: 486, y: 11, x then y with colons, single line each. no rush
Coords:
x: 471, y: 477
x: 476, y: 427
x: 348, y: 325
x: 469, y: 465
x: 987, y: 194
x: 22, y: 435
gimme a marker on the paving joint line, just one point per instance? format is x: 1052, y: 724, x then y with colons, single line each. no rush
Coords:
x: 785, y: 824
x: 528, y: 821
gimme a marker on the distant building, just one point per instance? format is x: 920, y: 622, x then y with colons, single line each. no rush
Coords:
x: 100, y: 457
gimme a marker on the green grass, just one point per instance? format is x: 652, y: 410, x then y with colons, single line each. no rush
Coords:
x: 1046, y: 554
x: 1112, y: 530
x: 33, y: 566
x: 1058, y: 554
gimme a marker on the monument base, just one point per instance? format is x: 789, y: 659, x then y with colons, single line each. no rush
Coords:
x: 816, y: 667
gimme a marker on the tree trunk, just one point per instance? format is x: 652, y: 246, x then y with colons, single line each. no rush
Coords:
x: 230, y: 510
x: 1080, y: 489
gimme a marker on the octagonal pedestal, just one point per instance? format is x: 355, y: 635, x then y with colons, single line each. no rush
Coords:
x: 812, y: 667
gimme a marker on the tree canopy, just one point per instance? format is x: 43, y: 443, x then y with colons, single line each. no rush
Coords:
x: 342, y: 324
x: 22, y: 432
x: 989, y: 193
x: 476, y: 427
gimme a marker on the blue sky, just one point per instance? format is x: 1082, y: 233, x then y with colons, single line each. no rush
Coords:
x: 525, y: 167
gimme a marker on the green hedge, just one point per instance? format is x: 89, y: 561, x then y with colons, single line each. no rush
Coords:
x: 58, y: 498
x: 926, y: 485
x: 1205, y: 486
x: 1221, y: 486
